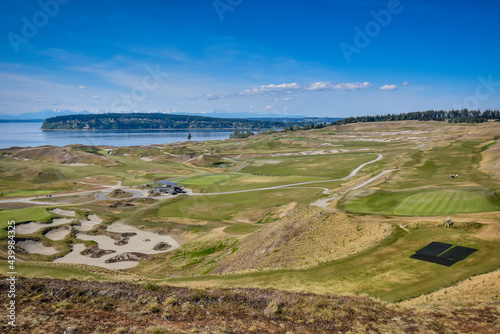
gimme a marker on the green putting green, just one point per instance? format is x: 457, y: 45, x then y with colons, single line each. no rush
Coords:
x: 432, y: 202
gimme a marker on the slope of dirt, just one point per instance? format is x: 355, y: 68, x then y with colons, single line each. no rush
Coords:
x: 304, y: 238
x: 62, y: 155
x: 58, y: 306
x: 119, y: 193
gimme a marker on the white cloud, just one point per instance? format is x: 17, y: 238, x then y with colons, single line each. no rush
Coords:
x: 353, y: 86
x: 283, y: 91
x: 406, y: 83
x: 268, y: 107
x: 82, y: 87
x: 319, y: 85
x: 95, y: 97
x: 388, y: 87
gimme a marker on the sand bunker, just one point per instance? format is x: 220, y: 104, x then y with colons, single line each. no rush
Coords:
x: 89, y: 223
x: 76, y: 164
x: 147, y: 159
x: 263, y: 162
x: 139, y: 245
x: 36, y: 247
x: 34, y: 226
x: 58, y: 233
x: 61, y: 212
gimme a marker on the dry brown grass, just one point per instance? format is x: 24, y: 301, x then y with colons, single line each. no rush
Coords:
x: 482, y: 290
x: 490, y: 163
x: 55, y: 306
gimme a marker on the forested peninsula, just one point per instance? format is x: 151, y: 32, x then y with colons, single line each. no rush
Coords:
x: 151, y: 121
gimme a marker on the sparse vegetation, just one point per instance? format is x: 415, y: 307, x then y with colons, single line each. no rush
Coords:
x: 359, y: 243
x: 125, y: 307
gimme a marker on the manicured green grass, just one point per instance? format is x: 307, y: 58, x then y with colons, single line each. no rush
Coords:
x: 27, y: 192
x: 242, y: 228
x: 432, y: 202
x: 23, y: 215
x: 224, y: 207
x: 384, y: 272
x: 38, y: 269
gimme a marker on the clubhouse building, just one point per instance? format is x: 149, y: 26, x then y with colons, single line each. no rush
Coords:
x: 167, y: 187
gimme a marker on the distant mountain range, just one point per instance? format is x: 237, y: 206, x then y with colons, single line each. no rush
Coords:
x: 40, y: 115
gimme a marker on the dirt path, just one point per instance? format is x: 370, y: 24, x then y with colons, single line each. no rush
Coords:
x: 246, y: 164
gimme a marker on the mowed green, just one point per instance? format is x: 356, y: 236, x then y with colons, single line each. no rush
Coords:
x: 431, y: 202
x: 53, y: 270
x: 23, y: 215
x: 242, y: 228
x: 225, y: 207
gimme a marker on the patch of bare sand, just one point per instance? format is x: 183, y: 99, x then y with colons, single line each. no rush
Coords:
x: 287, y: 209
x: 478, y: 290
x: 139, y: 244
x: 36, y: 247
x: 258, y: 179
x: 262, y: 162
x: 35, y: 226
x: 303, y: 239
x: 61, y: 212
x: 58, y: 233
x: 89, y: 223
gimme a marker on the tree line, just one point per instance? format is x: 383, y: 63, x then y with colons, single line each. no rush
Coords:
x: 151, y: 121
x: 451, y: 116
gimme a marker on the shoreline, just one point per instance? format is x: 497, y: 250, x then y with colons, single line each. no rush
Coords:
x: 166, y: 129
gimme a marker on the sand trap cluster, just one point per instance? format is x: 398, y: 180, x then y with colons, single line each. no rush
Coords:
x: 61, y: 212
x: 35, y: 226
x: 58, y: 233
x: 36, y: 247
x: 134, y: 245
x: 89, y: 223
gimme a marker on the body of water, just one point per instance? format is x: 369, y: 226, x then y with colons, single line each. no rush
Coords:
x: 29, y: 134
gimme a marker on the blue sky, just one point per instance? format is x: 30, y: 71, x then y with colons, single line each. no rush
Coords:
x: 316, y: 58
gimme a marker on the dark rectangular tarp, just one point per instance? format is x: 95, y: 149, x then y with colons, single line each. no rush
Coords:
x: 442, y: 253
x: 434, y: 259
x: 458, y: 253
x: 434, y: 249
